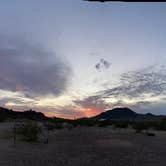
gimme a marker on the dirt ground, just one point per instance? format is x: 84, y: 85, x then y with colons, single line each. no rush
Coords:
x: 85, y: 146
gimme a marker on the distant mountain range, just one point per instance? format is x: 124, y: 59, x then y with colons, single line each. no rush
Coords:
x: 30, y: 114
x: 125, y: 114
x: 114, y: 114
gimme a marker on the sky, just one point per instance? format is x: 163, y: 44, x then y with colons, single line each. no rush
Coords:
x: 72, y: 58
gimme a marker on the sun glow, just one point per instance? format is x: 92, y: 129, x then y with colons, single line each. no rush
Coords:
x: 92, y: 111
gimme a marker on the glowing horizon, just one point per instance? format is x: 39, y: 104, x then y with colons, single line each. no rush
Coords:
x: 82, y: 58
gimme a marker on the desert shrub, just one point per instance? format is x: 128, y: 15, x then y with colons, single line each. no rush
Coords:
x: 140, y: 126
x: 74, y: 123
x: 6, y: 134
x: 121, y: 124
x: 161, y: 124
x: 50, y: 126
x: 29, y: 131
x: 150, y: 134
x: 103, y: 123
x: 58, y: 126
x: 2, y: 118
x: 83, y: 122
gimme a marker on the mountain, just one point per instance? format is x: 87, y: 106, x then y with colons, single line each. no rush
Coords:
x: 30, y: 114
x: 124, y: 114
x: 116, y: 113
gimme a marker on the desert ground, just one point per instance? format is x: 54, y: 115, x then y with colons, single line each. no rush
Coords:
x: 84, y: 146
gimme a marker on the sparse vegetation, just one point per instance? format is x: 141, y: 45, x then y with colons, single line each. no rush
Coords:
x: 103, y: 123
x: 29, y: 131
x: 161, y: 124
x: 83, y: 122
x: 121, y: 124
x: 140, y: 126
x: 91, y: 143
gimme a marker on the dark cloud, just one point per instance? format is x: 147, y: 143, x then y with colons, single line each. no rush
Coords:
x: 97, y: 66
x: 102, y: 64
x: 31, y: 69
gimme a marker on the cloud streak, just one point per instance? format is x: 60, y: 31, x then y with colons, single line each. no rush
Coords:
x: 139, y: 83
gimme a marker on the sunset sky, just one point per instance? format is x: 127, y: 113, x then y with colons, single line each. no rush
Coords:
x: 72, y: 58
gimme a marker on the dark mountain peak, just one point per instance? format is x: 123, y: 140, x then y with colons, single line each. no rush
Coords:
x: 150, y: 114
x: 117, y: 113
x: 123, y: 110
x: 5, y: 109
x: 29, y: 114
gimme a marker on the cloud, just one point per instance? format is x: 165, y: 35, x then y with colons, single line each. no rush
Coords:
x: 15, y: 101
x: 102, y: 64
x: 92, y: 105
x: 31, y: 69
x: 141, y: 90
x: 68, y: 111
x: 137, y: 84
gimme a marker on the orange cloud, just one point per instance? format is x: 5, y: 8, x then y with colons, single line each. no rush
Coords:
x: 92, y: 111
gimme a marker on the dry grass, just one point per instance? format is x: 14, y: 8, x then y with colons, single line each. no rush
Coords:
x: 86, y: 147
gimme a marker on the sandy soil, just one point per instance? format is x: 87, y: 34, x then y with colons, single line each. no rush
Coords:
x: 86, y: 146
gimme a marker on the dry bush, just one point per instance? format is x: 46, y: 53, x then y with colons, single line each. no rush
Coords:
x: 30, y: 131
